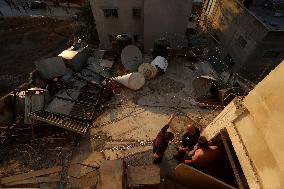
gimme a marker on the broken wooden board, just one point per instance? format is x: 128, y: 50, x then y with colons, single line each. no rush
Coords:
x: 112, y: 174
x: 143, y: 175
x: 31, y: 174
x: 36, y: 180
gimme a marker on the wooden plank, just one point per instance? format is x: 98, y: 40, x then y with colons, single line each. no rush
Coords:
x: 195, y: 179
x: 36, y: 180
x: 31, y: 174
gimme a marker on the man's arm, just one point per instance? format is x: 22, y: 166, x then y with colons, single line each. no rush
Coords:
x: 171, y: 118
x: 188, y: 162
x: 183, y: 149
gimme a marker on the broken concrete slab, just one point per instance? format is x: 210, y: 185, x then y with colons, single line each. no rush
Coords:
x: 112, y: 174
x: 106, y: 63
x: 75, y: 59
x: 88, y: 181
x: 143, y: 175
x: 78, y: 170
x: 71, y: 95
x: 93, y: 159
x: 51, y: 67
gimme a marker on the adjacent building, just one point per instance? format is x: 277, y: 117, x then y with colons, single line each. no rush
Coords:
x: 249, y: 34
x: 255, y: 133
x: 144, y: 20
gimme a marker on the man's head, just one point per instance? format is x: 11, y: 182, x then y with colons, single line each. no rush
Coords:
x: 203, y: 143
x: 169, y: 136
x: 191, y: 129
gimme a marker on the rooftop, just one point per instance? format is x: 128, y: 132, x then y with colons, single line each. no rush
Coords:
x: 271, y: 16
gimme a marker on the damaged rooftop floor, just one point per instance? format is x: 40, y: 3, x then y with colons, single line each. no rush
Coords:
x: 133, y: 119
x: 125, y: 130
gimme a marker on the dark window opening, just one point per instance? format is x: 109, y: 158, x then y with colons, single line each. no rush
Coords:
x: 136, y: 13
x: 136, y: 38
x: 271, y: 54
x: 242, y: 42
x: 110, y: 13
x: 229, y: 61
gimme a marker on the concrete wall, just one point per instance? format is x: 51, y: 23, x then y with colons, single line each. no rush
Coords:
x: 230, y: 21
x: 158, y: 18
x: 273, y: 41
x: 125, y: 23
x: 262, y: 128
x: 257, y: 131
x: 164, y: 16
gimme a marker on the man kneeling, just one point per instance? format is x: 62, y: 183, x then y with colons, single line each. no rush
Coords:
x: 204, y: 154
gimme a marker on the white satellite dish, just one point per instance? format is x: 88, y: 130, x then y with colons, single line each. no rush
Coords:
x: 131, y: 57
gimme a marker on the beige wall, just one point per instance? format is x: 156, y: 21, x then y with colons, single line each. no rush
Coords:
x: 262, y: 129
x: 164, y: 16
x: 158, y: 18
x: 125, y: 23
x: 256, y: 129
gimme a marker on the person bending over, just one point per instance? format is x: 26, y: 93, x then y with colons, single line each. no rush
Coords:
x: 161, y: 142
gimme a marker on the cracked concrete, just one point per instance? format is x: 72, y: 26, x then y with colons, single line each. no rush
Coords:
x: 133, y: 119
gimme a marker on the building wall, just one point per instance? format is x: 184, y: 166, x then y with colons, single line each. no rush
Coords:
x: 273, y: 42
x: 164, y: 16
x: 259, y: 130
x: 230, y: 21
x: 159, y: 17
x: 244, y: 37
x: 262, y: 128
x: 125, y: 23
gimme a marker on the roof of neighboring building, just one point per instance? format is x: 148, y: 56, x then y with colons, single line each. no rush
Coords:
x: 270, y: 16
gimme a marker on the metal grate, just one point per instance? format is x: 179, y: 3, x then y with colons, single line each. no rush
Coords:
x: 60, y: 121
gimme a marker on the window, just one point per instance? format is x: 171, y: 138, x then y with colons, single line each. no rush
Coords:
x: 110, y: 13
x: 136, y: 13
x: 271, y: 54
x: 241, y: 42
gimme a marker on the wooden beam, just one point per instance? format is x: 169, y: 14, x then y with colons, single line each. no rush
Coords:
x: 30, y: 174
x: 36, y: 180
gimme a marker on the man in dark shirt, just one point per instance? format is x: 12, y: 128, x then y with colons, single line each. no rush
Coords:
x: 189, y: 140
x: 161, y: 142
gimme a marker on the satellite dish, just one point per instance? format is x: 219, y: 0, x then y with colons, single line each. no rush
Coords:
x: 131, y: 57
